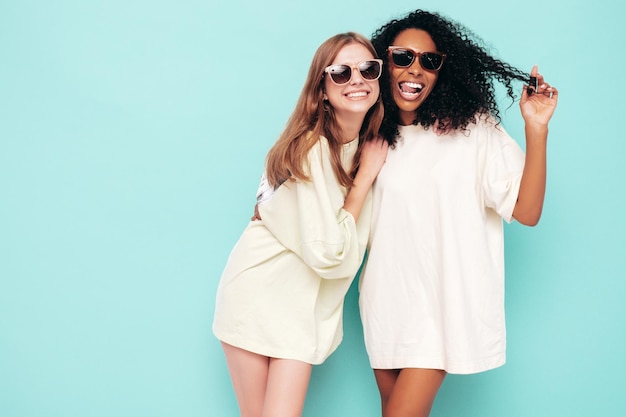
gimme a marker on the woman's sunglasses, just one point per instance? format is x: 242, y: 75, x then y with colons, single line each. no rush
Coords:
x: 341, y: 74
x: 404, y: 57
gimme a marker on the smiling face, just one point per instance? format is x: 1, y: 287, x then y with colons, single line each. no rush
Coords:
x: 351, y: 101
x: 410, y: 86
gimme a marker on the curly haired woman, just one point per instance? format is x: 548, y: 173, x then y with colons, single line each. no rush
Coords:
x: 432, y: 291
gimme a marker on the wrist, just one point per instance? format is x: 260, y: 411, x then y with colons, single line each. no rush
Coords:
x: 536, y: 130
x: 364, y: 178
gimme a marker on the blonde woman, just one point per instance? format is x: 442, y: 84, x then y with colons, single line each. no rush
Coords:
x: 280, y: 299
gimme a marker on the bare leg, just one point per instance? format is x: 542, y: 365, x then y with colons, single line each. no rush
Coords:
x: 267, y: 387
x: 248, y: 372
x: 386, y: 380
x: 287, y: 385
x: 413, y: 392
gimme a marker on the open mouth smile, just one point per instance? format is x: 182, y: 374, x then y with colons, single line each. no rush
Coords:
x: 357, y: 94
x: 410, y: 90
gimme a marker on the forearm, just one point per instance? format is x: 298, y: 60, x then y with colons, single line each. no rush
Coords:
x: 356, y: 196
x: 532, y: 190
x: 372, y: 160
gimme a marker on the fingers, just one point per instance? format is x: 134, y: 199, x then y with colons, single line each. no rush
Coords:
x: 380, y: 141
x: 256, y: 215
x: 377, y: 144
x: 554, y: 91
x: 543, y: 88
x: 547, y: 90
x: 373, y: 156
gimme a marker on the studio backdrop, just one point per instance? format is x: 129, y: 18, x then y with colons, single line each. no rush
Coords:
x: 132, y: 137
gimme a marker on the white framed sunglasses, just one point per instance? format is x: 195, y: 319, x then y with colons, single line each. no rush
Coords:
x: 341, y: 74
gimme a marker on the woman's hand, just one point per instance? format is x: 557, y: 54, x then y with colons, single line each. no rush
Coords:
x: 256, y: 216
x: 538, y: 106
x: 373, y: 156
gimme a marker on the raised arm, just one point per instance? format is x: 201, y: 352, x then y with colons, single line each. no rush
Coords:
x: 373, y: 157
x: 537, y: 109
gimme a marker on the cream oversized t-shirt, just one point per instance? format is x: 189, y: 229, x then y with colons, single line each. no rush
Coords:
x: 432, y: 289
x: 281, y: 293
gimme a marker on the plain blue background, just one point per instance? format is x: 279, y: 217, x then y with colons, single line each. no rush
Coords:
x: 132, y: 136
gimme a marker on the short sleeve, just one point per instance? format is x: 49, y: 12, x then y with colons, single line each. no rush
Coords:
x: 503, y: 172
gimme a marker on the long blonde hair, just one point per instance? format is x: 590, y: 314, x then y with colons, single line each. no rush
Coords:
x: 312, y: 118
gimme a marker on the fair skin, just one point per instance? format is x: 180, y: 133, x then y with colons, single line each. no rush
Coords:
x: 267, y: 386
x: 275, y: 387
x: 351, y: 102
x: 411, y: 392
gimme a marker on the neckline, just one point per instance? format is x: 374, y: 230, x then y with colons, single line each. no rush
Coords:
x: 350, y: 141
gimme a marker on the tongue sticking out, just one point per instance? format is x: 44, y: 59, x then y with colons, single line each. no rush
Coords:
x: 411, y: 88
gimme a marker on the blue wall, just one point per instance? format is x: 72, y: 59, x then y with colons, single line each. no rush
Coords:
x: 132, y: 135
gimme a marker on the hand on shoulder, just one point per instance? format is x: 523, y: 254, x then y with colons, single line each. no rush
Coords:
x: 373, y: 156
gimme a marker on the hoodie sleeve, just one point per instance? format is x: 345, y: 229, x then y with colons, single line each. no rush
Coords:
x: 308, y: 219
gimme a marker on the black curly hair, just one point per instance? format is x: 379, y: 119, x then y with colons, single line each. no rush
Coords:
x: 465, y: 87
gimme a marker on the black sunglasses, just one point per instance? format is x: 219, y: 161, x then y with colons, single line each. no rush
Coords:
x: 404, y: 57
x: 370, y: 70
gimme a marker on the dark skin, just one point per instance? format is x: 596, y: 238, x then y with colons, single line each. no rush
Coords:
x: 411, y: 392
x: 463, y: 92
